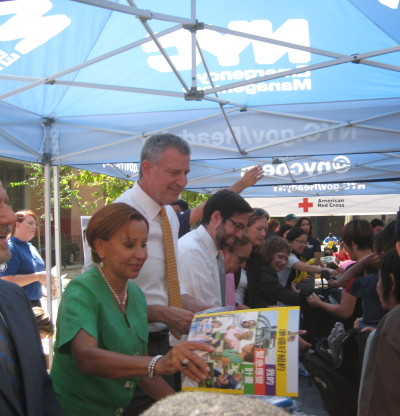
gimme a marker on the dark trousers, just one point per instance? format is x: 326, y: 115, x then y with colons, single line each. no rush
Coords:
x: 158, y: 344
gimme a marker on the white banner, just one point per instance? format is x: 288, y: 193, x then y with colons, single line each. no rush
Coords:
x: 329, y: 205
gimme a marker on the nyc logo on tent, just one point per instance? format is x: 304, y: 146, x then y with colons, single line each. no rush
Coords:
x: 26, y: 27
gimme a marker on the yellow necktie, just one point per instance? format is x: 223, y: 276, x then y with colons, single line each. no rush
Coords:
x: 174, y: 293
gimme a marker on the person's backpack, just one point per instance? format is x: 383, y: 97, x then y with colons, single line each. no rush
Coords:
x: 338, y: 394
x: 335, y: 367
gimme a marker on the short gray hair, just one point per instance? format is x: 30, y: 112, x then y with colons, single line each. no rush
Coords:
x: 158, y: 143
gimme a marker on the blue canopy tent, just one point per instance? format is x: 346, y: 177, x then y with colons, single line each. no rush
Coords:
x: 309, y: 90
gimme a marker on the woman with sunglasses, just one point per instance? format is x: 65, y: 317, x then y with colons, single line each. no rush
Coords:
x: 256, y: 231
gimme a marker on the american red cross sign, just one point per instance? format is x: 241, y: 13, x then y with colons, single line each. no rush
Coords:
x: 305, y: 204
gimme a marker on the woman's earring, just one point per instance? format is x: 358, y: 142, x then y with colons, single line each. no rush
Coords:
x: 101, y: 264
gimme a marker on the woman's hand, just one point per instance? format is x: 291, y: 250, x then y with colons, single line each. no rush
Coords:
x: 183, y: 358
x: 332, y: 272
x: 333, y: 283
x: 314, y: 300
x: 41, y: 277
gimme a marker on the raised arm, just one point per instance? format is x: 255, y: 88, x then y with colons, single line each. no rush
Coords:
x: 357, y: 269
x: 249, y: 178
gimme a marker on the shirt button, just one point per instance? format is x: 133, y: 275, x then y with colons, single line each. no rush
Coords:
x: 119, y: 411
x: 128, y: 385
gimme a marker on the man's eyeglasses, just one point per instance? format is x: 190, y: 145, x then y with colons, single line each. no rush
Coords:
x: 239, y: 226
x: 241, y: 259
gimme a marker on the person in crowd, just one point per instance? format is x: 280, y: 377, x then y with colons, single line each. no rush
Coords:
x: 234, y: 251
x: 341, y: 254
x: 328, y: 259
x: 201, y: 268
x: 365, y: 272
x: 101, y: 344
x: 274, y: 252
x: 313, y: 249
x: 25, y: 385
x: 25, y: 268
x: 46, y: 330
x: 165, y: 163
x: 330, y: 241
x: 377, y: 225
x: 357, y: 237
x: 256, y: 231
x: 283, y: 230
x: 187, y: 217
x: 298, y: 240
x: 180, y: 206
x: 380, y: 382
x: 291, y: 220
x: 273, y: 227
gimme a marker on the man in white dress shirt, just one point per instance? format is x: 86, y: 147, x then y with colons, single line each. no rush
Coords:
x: 225, y: 213
x: 164, y: 165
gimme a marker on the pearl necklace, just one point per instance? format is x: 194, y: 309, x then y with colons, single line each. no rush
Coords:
x: 121, y: 303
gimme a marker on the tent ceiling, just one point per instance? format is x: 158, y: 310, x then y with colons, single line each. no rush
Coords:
x: 311, y: 93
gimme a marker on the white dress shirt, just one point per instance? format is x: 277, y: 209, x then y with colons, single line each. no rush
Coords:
x: 152, y: 278
x: 198, y: 267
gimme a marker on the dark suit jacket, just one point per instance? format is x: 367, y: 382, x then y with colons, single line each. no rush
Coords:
x: 40, y: 399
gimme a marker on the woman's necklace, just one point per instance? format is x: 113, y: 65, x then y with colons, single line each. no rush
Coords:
x: 121, y: 303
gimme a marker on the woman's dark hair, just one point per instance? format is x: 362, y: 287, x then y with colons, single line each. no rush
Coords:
x: 385, y: 239
x: 228, y: 203
x: 273, y: 245
x: 300, y: 220
x: 283, y: 229
x: 107, y: 221
x: 390, y: 266
x: 358, y: 232
x: 294, y: 233
x: 231, y: 241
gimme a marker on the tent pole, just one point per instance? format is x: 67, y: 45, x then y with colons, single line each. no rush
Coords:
x: 47, y: 226
x: 57, y: 230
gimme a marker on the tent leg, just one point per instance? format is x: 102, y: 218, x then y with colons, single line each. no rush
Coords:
x: 47, y: 226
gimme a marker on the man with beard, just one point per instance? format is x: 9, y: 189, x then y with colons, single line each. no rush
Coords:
x: 200, y: 267
x: 25, y: 386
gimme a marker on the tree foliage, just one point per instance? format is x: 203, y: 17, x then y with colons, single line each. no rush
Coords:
x: 105, y: 189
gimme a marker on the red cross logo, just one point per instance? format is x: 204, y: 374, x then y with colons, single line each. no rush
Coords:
x: 305, y: 205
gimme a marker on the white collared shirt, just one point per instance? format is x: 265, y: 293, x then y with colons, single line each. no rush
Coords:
x: 152, y: 278
x: 198, y: 266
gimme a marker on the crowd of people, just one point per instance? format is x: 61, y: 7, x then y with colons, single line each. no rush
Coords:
x: 120, y: 344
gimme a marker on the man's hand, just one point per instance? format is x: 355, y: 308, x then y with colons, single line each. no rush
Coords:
x: 249, y: 178
x: 192, y: 304
x: 176, y: 319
